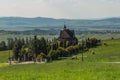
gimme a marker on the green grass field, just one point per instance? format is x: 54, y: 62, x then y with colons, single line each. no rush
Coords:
x: 109, y: 53
x: 94, y: 67
x: 4, y: 56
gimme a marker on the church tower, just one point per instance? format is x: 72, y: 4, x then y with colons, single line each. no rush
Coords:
x: 67, y: 35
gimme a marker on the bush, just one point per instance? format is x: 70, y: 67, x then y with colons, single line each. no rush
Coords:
x: 41, y: 56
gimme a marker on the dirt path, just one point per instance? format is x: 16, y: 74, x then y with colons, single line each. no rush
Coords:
x: 31, y: 62
x: 112, y: 62
x: 28, y: 62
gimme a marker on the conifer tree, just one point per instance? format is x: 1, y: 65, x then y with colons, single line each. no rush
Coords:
x: 16, y: 49
x: 43, y: 45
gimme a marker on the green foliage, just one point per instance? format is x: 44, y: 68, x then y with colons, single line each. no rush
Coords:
x: 67, y: 50
x: 43, y: 46
x: 34, y: 46
x: 63, y: 52
x: 92, y: 42
x: 38, y: 45
x: 3, y: 45
x: 101, y: 52
x: 22, y: 51
x: 52, y: 49
x: 16, y: 49
x: 53, y: 54
x: 67, y: 43
x: 41, y: 56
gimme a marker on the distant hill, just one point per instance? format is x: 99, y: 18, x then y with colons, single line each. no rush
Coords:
x: 20, y: 23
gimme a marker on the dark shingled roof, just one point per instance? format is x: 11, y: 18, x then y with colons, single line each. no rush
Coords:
x: 70, y: 33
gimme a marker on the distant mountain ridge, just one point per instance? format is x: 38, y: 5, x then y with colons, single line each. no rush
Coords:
x: 51, y: 23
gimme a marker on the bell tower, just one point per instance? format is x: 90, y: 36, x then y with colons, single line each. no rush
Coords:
x: 64, y: 27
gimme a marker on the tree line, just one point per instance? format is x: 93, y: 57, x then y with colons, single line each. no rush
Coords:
x: 34, y: 49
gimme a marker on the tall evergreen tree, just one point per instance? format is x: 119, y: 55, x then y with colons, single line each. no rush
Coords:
x: 23, y: 41
x: 16, y: 49
x: 43, y: 46
x: 22, y: 53
x: 27, y: 42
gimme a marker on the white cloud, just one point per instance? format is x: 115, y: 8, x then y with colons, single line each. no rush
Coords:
x: 60, y: 8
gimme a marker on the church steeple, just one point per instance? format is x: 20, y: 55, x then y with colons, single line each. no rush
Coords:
x: 67, y: 35
x: 64, y: 27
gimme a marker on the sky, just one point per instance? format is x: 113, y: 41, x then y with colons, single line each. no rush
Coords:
x: 72, y: 9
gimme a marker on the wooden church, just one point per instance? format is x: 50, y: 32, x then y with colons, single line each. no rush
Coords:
x: 67, y: 35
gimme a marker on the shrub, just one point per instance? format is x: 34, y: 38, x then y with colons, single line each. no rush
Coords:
x: 41, y: 56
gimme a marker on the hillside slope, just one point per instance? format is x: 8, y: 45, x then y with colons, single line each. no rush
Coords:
x: 7, y: 23
x: 94, y: 67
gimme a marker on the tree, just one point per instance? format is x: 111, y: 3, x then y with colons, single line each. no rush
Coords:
x: 54, y: 46
x: 23, y: 41
x: 67, y: 43
x: 80, y: 46
x: 62, y: 52
x: 59, y: 44
x: 33, y: 48
x: 51, y: 54
x: 3, y: 45
x: 27, y: 42
x: 16, y: 49
x: 10, y: 43
x: 43, y: 45
x: 22, y: 53
x: 41, y: 56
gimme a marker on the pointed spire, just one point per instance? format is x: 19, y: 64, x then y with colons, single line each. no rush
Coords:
x: 64, y: 27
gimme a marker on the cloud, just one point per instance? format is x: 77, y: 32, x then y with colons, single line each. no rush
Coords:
x: 60, y: 8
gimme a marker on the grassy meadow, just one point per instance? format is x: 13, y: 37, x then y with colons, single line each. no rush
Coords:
x: 94, y: 67
x: 4, y: 56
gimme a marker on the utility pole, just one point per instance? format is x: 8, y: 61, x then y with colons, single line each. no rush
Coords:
x: 9, y: 57
x: 35, y: 48
x: 9, y: 51
x: 34, y: 58
x: 82, y: 50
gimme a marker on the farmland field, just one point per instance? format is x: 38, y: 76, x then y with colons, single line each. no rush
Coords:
x: 4, y: 36
x: 94, y: 67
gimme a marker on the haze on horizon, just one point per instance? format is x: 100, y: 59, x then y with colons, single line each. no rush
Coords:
x: 73, y: 9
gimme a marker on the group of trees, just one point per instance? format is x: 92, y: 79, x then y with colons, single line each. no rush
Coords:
x: 37, y: 49
x: 19, y: 47
x: 68, y: 50
x: 3, y: 45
